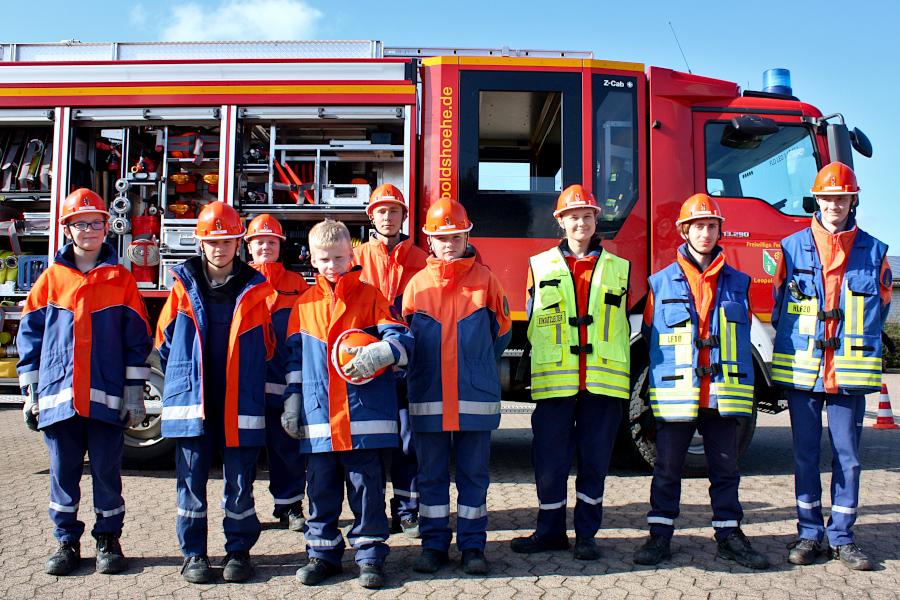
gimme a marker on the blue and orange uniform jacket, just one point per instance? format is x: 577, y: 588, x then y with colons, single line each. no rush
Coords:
x: 335, y: 415
x: 833, y: 250
x: 390, y: 271
x: 288, y: 288
x: 459, y: 316
x: 83, y: 337
x: 180, y: 334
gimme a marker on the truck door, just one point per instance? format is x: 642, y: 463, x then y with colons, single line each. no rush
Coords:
x: 762, y: 183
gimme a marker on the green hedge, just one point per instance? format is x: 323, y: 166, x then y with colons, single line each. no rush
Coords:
x: 892, y: 359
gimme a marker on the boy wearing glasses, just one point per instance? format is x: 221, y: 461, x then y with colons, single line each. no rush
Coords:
x: 83, y: 344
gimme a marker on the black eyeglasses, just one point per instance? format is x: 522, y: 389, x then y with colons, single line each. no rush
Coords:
x: 86, y: 225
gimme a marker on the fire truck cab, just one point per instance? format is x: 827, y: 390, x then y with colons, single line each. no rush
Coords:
x: 305, y: 130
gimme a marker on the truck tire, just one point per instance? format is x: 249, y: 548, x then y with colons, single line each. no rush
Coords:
x: 145, y: 443
x: 638, y: 432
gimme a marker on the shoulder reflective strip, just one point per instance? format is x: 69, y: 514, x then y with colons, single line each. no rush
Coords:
x: 471, y: 512
x: 110, y: 513
x: 434, y: 512
x: 479, y: 408
x: 63, y: 508
x: 239, y: 516
x: 28, y: 378
x: 294, y: 377
x: 847, y: 510
x: 251, y: 422
x: 317, y: 431
x: 137, y: 372
x: 721, y: 524
x: 373, y: 427
x: 552, y: 505
x: 192, y: 514
x: 101, y: 397
x: 324, y: 544
x: 283, y: 501
x: 194, y: 411
x: 405, y: 493
x: 401, y: 351
x: 275, y: 388
x: 660, y: 520
x: 54, y: 400
x: 588, y: 499
x: 358, y: 542
x: 809, y: 505
x: 424, y: 409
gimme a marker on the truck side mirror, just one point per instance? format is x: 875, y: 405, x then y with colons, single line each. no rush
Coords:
x: 861, y: 142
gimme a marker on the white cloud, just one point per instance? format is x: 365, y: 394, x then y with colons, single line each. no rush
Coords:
x: 241, y: 20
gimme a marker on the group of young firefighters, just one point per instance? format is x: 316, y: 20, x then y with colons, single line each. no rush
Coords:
x: 390, y: 358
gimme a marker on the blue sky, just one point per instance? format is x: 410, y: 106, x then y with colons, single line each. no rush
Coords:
x: 843, y: 56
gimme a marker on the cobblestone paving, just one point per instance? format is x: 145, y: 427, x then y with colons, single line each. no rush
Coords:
x: 694, y: 571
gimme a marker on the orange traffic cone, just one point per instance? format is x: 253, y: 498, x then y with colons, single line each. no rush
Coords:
x: 885, y: 418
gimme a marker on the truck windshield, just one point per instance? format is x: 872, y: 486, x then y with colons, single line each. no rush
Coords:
x: 778, y: 168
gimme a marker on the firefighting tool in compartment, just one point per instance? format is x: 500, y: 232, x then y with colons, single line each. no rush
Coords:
x: 122, y: 185
x: 147, y: 225
x: 8, y: 166
x: 340, y: 357
x: 291, y: 182
x: 185, y: 183
x: 143, y: 166
x: 30, y: 164
x: 114, y: 158
x: 30, y: 268
x: 212, y: 182
x: 144, y: 257
x: 183, y: 209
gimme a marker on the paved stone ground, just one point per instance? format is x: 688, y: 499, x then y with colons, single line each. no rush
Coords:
x: 694, y: 572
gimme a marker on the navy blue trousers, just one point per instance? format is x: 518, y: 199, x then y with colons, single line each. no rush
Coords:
x: 403, y: 471
x: 193, y: 457
x: 362, y: 472
x: 583, y: 427
x: 720, y: 444
x: 845, y: 422
x: 472, y: 453
x: 287, y: 467
x: 67, y: 441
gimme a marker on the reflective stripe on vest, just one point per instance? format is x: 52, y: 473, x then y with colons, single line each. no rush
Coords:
x: 554, y: 339
x: 674, y: 352
x: 800, y: 339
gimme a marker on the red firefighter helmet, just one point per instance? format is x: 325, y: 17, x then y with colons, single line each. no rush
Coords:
x: 264, y: 224
x: 835, y: 179
x: 575, y: 196
x: 386, y: 193
x: 82, y: 202
x: 446, y: 216
x: 218, y: 221
x: 351, y: 338
x: 699, y: 206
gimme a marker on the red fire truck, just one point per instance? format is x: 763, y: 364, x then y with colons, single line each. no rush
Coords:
x: 304, y: 130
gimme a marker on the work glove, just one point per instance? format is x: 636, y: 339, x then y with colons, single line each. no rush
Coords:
x: 290, y: 417
x: 369, y: 360
x: 30, y: 408
x: 132, y: 411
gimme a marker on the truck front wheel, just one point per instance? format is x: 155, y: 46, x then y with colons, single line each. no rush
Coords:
x: 144, y: 442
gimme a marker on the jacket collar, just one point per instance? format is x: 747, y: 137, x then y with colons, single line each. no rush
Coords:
x: 106, y: 258
x: 448, y: 272
x: 272, y: 271
x: 594, y: 248
x: 343, y: 287
x: 691, y: 267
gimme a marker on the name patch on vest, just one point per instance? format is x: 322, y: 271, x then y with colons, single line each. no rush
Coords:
x: 804, y: 308
x: 674, y: 339
x: 549, y: 320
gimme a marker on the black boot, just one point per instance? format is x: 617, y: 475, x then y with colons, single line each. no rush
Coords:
x: 293, y: 519
x: 655, y: 550
x: 430, y: 560
x: 804, y: 551
x: 238, y: 567
x: 65, y: 560
x: 196, y: 569
x: 317, y: 570
x: 737, y: 547
x: 852, y: 556
x: 474, y: 562
x: 533, y: 544
x: 586, y: 549
x: 371, y: 576
x: 110, y: 559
